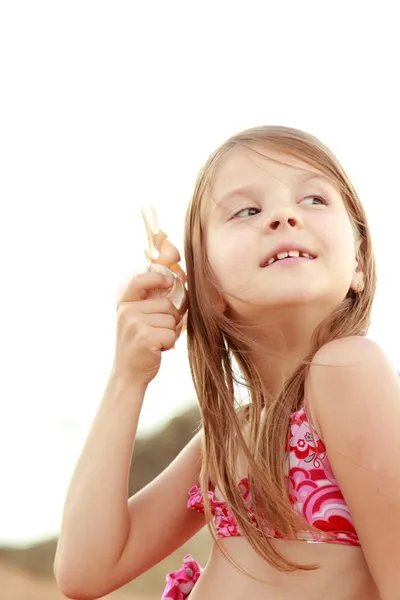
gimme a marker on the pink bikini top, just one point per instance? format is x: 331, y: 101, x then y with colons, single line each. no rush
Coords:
x: 313, y: 491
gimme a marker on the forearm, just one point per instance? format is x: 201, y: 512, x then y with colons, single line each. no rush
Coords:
x: 95, y: 523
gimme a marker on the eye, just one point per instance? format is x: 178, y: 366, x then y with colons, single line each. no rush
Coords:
x: 251, y: 212
x: 322, y: 201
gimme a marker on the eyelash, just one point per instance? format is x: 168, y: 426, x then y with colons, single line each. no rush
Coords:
x: 323, y: 199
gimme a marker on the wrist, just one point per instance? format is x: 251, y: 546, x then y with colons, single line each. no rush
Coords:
x: 122, y: 379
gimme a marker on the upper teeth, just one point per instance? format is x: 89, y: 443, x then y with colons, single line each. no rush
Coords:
x: 293, y: 253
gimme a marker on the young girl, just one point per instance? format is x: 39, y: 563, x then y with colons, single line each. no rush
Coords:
x: 300, y: 486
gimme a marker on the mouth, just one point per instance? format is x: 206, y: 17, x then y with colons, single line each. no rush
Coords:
x: 288, y: 256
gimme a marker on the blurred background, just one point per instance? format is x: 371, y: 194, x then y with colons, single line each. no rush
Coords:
x: 105, y: 106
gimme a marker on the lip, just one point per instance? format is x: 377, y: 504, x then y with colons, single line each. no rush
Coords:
x: 286, y: 248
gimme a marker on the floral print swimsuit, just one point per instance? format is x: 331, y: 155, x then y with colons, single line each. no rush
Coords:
x: 313, y: 491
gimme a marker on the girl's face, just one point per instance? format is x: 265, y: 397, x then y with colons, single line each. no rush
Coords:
x: 264, y: 203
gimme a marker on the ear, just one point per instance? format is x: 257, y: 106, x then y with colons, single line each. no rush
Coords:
x: 358, y: 279
x: 358, y: 282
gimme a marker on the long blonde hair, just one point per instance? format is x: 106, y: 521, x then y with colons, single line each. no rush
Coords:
x: 215, y: 342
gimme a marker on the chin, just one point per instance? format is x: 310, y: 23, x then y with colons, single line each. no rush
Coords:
x: 302, y: 298
x: 295, y: 297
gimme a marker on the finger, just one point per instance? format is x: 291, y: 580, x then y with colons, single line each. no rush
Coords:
x: 162, y: 322
x: 163, y: 339
x: 157, y: 306
x: 138, y: 287
x: 182, y: 325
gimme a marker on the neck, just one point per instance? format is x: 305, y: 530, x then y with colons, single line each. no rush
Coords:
x: 283, y: 340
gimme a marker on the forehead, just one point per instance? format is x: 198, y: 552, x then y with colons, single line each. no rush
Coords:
x: 258, y: 166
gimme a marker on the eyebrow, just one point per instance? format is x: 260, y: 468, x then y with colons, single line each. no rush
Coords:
x: 246, y: 190
x: 310, y: 176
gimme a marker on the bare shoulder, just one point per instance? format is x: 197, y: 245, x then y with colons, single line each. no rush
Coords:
x: 340, y: 373
x: 354, y: 391
x: 352, y: 350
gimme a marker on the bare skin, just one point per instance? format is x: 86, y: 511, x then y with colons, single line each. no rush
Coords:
x: 157, y: 517
x: 107, y: 541
x: 97, y: 555
x: 343, y: 574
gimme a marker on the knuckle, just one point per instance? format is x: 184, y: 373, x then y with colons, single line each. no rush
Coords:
x: 141, y: 333
x: 122, y: 310
x: 133, y: 325
x: 128, y: 320
x: 125, y: 313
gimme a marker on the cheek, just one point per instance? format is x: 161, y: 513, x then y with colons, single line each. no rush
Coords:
x: 343, y: 256
x: 227, y: 253
x: 339, y: 238
x: 229, y: 261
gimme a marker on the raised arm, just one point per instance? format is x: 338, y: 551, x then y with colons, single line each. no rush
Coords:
x: 105, y: 539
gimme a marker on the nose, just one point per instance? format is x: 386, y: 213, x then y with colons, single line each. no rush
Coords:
x: 283, y: 218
